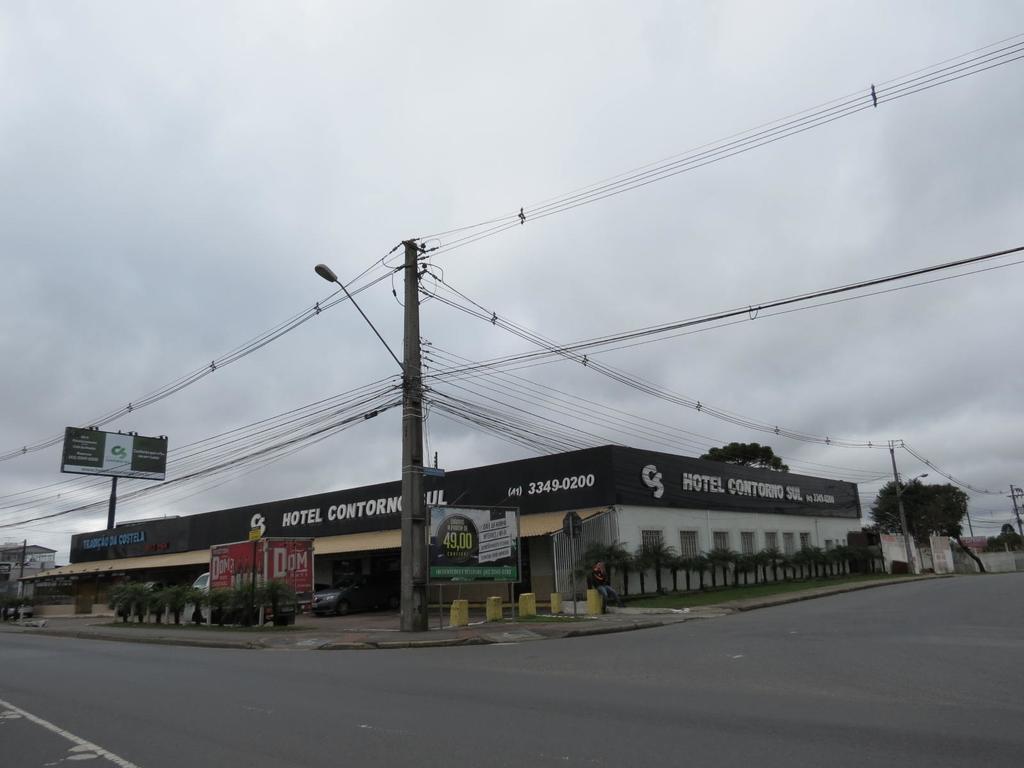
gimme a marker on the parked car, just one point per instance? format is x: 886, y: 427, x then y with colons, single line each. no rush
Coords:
x: 358, y: 593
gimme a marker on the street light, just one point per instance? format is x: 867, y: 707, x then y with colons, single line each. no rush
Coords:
x: 414, y: 542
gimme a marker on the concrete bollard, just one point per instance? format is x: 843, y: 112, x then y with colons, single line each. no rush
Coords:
x: 494, y: 610
x: 459, y: 616
x: 556, y: 603
x: 595, y: 605
x: 528, y: 604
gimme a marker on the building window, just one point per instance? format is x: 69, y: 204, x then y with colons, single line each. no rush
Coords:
x: 721, y: 540
x: 805, y: 541
x: 688, y: 544
x: 788, y: 545
x: 747, y: 542
x: 829, y: 544
x: 771, y: 540
x: 651, y: 539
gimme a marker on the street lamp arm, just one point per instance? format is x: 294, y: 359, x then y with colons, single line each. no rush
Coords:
x: 328, y: 274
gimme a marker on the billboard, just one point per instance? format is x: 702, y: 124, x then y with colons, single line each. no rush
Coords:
x: 95, y: 452
x: 474, y: 544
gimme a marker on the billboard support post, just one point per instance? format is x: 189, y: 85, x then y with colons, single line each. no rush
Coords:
x: 252, y: 596
x: 113, y: 503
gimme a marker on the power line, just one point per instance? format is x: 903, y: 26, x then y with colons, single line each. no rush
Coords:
x: 915, y: 82
x: 247, y: 348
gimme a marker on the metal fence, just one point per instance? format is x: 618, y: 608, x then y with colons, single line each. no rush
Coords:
x: 599, y: 529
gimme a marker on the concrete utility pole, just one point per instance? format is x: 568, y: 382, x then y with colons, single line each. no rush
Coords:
x: 414, y: 534
x: 21, y: 573
x: 1014, y: 493
x: 903, y: 515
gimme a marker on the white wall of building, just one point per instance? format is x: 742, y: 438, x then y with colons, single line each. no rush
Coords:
x: 823, y: 532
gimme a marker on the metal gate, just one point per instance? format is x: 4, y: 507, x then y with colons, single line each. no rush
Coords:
x: 599, y: 529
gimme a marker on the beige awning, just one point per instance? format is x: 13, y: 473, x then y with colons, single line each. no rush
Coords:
x: 193, y: 557
x: 357, y: 542
x: 547, y: 523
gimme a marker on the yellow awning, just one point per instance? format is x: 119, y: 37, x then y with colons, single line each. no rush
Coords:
x: 357, y: 542
x: 193, y: 557
x: 547, y: 523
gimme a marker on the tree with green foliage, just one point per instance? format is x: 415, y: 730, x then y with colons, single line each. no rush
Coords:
x: 175, y: 599
x: 657, y: 555
x: 747, y: 455
x: 614, y: 556
x: 774, y: 557
x: 278, y: 594
x: 721, y: 558
x: 931, y: 510
x: 745, y: 564
x: 120, y: 599
x: 219, y: 601
x: 701, y: 565
x: 1004, y: 541
x: 156, y: 604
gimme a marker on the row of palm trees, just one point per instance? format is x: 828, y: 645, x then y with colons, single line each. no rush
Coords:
x: 809, y: 562
x: 231, y: 605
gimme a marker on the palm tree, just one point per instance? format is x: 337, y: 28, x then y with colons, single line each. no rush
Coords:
x: 701, y: 565
x: 800, y: 559
x: 642, y: 561
x: 721, y: 558
x: 614, y: 556
x: 843, y: 555
x: 774, y: 558
x: 675, y: 565
x: 156, y: 603
x: 120, y: 599
x: 174, y: 599
x: 686, y: 565
x: 658, y: 554
x: 138, y: 598
x: 761, y: 561
x: 219, y: 601
x: 744, y: 564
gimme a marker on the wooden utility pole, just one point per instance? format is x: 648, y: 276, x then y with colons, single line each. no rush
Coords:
x: 414, y: 533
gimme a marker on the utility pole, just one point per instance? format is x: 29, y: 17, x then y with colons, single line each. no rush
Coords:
x: 414, y: 538
x: 903, y: 515
x: 21, y: 573
x: 1014, y: 493
x: 113, y: 502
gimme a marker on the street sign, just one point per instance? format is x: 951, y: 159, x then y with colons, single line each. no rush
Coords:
x: 572, y: 525
x: 255, y: 534
x: 433, y: 472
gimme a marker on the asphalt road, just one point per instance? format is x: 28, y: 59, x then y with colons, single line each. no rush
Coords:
x: 920, y: 674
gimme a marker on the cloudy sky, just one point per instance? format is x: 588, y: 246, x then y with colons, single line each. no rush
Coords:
x: 170, y: 173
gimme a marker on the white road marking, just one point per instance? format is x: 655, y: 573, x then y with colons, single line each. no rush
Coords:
x: 77, y: 741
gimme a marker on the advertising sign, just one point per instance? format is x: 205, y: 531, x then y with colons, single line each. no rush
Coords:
x: 474, y: 544
x: 94, y: 452
x: 290, y: 560
x: 231, y: 565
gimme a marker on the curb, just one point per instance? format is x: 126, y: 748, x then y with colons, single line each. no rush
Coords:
x: 784, y: 599
x: 184, y: 642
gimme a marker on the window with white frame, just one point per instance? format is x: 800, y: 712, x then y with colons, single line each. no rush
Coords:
x: 771, y: 540
x: 747, y: 542
x: 788, y: 543
x: 805, y: 540
x: 651, y: 539
x: 721, y: 540
x: 688, y: 544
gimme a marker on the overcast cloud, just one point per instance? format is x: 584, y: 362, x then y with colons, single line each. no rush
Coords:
x: 171, y: 172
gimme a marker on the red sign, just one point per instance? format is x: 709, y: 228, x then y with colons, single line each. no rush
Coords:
x: 290, y: 560
x: 231, y: 564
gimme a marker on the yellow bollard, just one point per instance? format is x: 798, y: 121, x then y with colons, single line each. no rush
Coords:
x: 494, y: 610
x: 556, y: 603
x: 595, y: 605
x: 459, y: 616
x: 528, y: 604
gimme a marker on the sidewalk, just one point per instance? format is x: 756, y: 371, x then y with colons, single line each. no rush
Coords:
x: 379, y: 631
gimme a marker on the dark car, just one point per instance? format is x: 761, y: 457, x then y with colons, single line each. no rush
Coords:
x: 357, y: 593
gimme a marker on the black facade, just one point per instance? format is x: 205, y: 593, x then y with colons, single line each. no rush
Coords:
x: 593, y: 477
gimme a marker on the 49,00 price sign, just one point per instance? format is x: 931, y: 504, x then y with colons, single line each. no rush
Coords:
x: 474, y: 544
